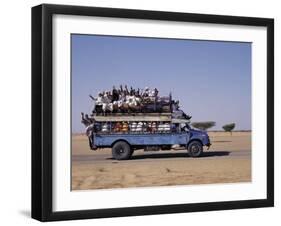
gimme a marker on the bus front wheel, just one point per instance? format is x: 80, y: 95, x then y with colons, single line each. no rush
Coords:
x: 195, y: 149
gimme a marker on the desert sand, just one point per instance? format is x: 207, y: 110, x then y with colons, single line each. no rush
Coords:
x: 227, y: 161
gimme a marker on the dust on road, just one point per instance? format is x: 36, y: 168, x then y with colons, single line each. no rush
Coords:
x: 227, y: 161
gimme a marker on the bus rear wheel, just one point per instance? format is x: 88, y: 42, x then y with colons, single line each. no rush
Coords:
x: 121, y: 150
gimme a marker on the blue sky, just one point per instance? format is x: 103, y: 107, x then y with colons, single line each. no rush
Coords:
x: 211, y: 79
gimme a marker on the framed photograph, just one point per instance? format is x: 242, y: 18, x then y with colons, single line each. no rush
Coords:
x: 145, y: 112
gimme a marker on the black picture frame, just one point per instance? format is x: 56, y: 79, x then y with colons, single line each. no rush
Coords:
x: 42, y: 111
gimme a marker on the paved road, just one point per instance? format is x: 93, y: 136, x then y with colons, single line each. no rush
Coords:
x: 139, y: 155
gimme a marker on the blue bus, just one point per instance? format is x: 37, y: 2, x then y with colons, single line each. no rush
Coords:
x: 124, y: 142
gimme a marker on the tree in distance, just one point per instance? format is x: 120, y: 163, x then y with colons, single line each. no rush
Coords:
x: 203, y: 125
x: 229, y: 127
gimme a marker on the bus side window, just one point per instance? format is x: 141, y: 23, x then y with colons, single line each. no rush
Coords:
x: 184, y: 127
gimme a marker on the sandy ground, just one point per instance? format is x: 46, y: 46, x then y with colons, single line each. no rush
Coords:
x: 227, y: 161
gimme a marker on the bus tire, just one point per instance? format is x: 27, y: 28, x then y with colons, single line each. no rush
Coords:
x: 195, y: 149
x: 121, y: 151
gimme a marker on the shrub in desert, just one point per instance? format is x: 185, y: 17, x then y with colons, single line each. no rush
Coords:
x: 203, y: 125
x: 229, y: 127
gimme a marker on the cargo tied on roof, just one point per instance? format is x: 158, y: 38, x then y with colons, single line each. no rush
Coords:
x: 123, y: 100
x: 134, y: 119
x: 134, y: 110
